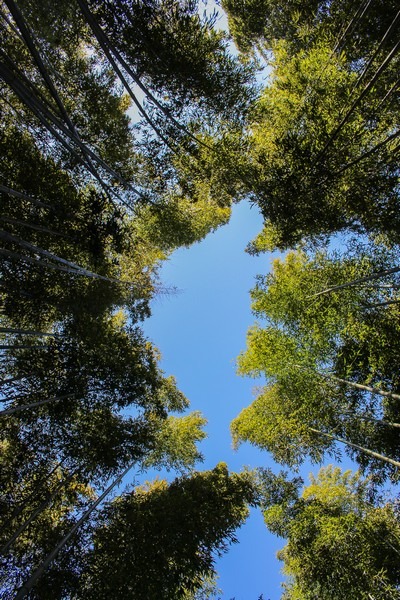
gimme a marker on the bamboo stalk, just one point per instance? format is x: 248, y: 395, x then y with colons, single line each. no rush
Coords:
x: 377, y: 275
x: 14, y: 409
x: 27, y: 586
x: 357, y: 447
x: 35, y: 513
x: 28, y: 332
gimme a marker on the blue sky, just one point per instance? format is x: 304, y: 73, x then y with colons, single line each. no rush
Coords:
x: 200, y: 330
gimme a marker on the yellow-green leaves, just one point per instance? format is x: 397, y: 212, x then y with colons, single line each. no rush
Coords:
x: 176, y: 443
x: 339, y: 545
x: 160, y: 541
x: 318, y: 347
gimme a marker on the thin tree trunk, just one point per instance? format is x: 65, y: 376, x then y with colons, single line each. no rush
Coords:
x: 387, y: 303
x: 8, y: 237
x: 47, y: 265
x: 381, y: 43
x: 40, y: 110
x: 105, y: 45
x: 11, y: 26
x: 17, y: 511
x: 377, y: 275
x: 362, y: 8
x: 356, y: 102
x: 19, y: 19
x: 357, y: 447
x: 35, y: 227
x: 108, y: 47
x: 28, y: 332
x: 43, y: 113
x: 14, y: 409
x: 372, y: 419
x: 359, y: 386
x: 389, y: 93
x: 365, y: 155
x: 23, y: 196
x: 35, y: 513
x: 25, y: 589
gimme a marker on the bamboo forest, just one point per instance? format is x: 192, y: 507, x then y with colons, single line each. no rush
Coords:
x: 131, y: 129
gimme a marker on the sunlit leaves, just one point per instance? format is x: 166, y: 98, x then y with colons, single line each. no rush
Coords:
x: 338, y: 542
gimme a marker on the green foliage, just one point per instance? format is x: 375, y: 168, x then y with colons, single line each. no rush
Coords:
x: 303, y: 188
x: 339, y: 544
x: 160, y: 540
x: 175, y: 443
x: 275, y: 422
x: 255, y: 24
x: 322, y: 135
x: 317, y: 351
x: 91, y: 205
x: 179, y: 53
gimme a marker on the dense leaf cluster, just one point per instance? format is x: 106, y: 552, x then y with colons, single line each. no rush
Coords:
x: 127, y: 131
x: 320, y: 159
x: 91, y: 203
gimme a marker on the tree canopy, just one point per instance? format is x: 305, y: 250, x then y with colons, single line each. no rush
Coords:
x: 338, y: 543
x: 91, y: 205
x: 128, y: 129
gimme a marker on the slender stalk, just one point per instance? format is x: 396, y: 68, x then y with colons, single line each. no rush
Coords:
x: 106, y: 44
x: 389, y: 93
x: 25, y: 589
x: 372, y: 419
x: 18, y: 510
x: 28, y: 332
x: 47, y: 265
x: 18, y: 17
x: 10, y: 25
x: 391, y: 137
x: 361, y: 10
x: 45, y: 115
x: 33, y: 516
x: 35, y: 513
x: 8, y: 237
x: 23, y: 196
x: 35, y: 227
x: 357, y: 447
x: 377, y: 275
x: 14, y: 409
x: 359, y: 386
x: 381, y: 43
x: 378, y: 304
x: 20, y: 21
x: 356, y: 102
